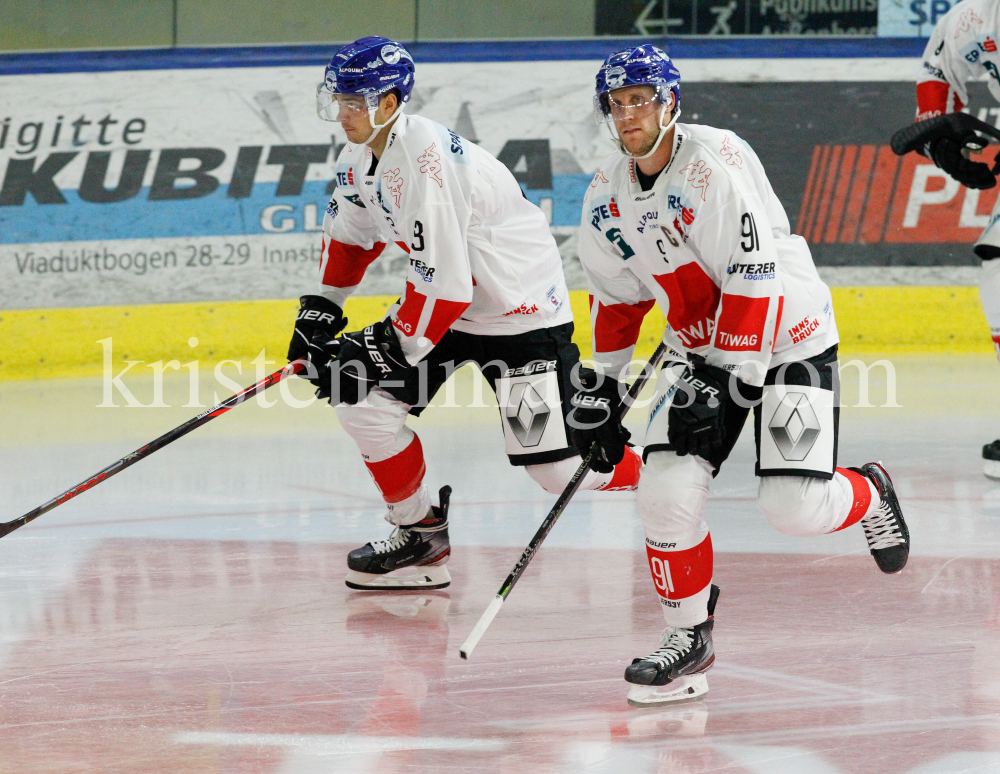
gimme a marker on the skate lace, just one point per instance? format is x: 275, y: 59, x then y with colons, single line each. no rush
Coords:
x: 674, y: 644
x: 882, y: 528
x: 395, y: 541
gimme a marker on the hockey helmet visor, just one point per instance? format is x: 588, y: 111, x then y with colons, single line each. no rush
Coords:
x: 360, y: 73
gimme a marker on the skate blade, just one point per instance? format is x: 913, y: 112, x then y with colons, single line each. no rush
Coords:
x: 430, y: 577
x: 682, y: 689
x: 991, y: 469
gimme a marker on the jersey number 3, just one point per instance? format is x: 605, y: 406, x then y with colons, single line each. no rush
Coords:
x: 418, y: 237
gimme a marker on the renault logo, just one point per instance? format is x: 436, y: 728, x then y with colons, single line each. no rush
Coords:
x: 527, y: 414
x: 794, y: 426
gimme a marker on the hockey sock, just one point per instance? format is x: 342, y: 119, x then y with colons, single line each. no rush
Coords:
x: 989, y: 294
x: 864, y: 494
x: 682, y: 576
x: 626, y: 473
x: 400, y: 480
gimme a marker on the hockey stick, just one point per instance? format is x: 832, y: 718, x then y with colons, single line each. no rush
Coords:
x: 549, y: 521
x: 144, y: 451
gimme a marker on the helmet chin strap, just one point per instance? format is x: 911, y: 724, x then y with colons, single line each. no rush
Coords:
x: 376, y: 128
x: 663, y: 133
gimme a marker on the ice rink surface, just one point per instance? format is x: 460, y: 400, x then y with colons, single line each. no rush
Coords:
x: 190, y: 615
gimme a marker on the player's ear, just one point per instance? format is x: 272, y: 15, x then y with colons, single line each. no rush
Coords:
x: 389, y: 103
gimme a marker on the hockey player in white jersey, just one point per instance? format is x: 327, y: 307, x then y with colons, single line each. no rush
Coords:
x: 963, y: 47
x: 685, y: 217
x: 485, y: 284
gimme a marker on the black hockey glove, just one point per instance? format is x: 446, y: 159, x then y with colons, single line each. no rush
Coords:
x: 695, y: 423
x: 358, y: 361
x: 946, y: 153
x: 943, y: 139
x: 317, y: 314
x: 596, y: 418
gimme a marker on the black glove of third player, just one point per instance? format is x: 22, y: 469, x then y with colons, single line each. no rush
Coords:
x: 946, y: 153
x: 596, y: 417
x: 695, y: 422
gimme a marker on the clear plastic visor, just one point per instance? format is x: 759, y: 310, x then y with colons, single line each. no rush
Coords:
x: 630, y: 101
x: 330, y: 105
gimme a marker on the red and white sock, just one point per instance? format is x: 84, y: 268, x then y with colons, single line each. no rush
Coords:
x: 862, y: 499
x: 400, y: 480
x: 682, y: 576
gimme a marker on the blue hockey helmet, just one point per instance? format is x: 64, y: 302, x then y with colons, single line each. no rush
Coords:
x: 369, y: 67
x: 645, y: 65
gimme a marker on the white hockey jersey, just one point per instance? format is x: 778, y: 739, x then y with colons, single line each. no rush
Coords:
x: 962, y: 47
x: 711, y: 244
x: 482, y: 258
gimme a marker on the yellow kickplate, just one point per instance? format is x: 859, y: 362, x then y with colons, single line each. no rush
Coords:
x: 52, y: 343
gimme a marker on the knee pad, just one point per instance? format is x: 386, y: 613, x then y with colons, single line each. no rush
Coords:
x: 377, y: 425
x: 554, y: 476
x: 799, y: 506
x: 671, y: 498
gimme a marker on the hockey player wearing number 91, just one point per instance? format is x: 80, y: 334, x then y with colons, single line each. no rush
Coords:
x: 685, y: 217
x: 484, y: 285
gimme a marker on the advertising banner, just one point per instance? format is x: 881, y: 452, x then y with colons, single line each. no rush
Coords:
x: 210, y: 184
x: 910, y: 18
x: 739, y: 17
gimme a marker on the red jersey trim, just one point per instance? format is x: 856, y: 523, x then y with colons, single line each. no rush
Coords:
x: 346, y: 264
x: 617, y: 326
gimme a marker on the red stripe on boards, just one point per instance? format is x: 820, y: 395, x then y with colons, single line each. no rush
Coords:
x: 840, y: 193
x: 827, y: 193
x: 879, y: 196
x: 808, y: 197
x: 859, y: 194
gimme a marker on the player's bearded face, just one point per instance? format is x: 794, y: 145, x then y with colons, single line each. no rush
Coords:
x: 636, y: 113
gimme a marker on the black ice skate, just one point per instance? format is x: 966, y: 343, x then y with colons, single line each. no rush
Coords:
x: 423, y: 547
x: 991, y: 460
x: 676, y: 670
x: 888, y: 537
